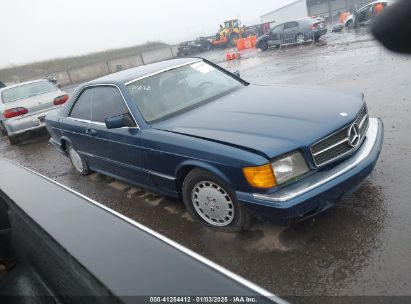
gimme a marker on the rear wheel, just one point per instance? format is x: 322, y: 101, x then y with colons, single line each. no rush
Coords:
x: 77, y: 160
x: 213, y: 203
x: 300, y: 38
x: 13, y: 140
x: 233, y: 39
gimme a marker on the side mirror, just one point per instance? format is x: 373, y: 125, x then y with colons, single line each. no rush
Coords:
x: 120, y: 121
x: 237, y: 73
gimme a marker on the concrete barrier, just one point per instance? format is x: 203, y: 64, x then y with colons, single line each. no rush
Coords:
x: 157, y: 55
x: 62, y: 77
x: 124, y: 63
x: 88, y: 72
x: 85, y: 73
x: 174, y: 50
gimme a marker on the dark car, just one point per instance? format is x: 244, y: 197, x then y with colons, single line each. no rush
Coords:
x: 194, y: 47
x: 188, y: 128
x: 52, y: 252
x: 298, y: 31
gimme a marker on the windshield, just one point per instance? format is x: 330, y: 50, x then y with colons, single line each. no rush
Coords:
x: 179, y: 89
x: 27, y: 90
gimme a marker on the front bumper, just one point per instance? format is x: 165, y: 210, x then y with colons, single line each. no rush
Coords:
x: 322, y: 189
x: 19, y: 125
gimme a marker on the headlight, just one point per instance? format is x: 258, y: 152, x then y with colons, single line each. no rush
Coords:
x: 289, y: 167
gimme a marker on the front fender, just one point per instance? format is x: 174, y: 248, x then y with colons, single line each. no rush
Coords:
x: 202, y: 165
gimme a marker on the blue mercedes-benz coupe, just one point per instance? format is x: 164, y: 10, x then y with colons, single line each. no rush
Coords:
x: 230, y: 149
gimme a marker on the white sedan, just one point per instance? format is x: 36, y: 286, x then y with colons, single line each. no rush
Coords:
x: 23, y: 106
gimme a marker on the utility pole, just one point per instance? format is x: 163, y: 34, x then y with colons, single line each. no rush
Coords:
x: 330, y: 13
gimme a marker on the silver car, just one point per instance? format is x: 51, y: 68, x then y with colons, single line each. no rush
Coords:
x: 23, y: 106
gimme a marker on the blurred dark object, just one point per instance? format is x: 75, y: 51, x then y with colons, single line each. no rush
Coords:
x: 52, y: 79
x: 193, y: 47
x: 2, y: 85
x: 393, y: 27
x: 338, y: 28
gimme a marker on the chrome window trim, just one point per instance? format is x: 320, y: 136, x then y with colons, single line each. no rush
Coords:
x: 162, y: 71
x: 96, y: 122
x: 170, y: 242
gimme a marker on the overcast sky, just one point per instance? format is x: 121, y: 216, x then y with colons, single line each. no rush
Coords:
x: 32, y: 30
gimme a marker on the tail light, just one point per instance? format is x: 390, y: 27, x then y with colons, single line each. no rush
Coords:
x: 316, y: 25
x: 15, y: 112
x: 60, y: 100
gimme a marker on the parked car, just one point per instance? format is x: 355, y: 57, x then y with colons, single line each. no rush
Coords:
x: 52, y: 251
x: 2, y: 85
x: 366, y: 14
x: 188, y: 128
x: 23, y: 106
x: 194, y: 47
x: 298, y: 31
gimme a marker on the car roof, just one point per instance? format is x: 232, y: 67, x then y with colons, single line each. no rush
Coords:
x: 295, y: 20
x: 19, y: 84
x: 142, y: 71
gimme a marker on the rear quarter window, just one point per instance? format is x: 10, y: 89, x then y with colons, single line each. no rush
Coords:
x: 82, y: 106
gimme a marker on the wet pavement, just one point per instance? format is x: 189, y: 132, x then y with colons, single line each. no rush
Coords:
x: 362, y: 247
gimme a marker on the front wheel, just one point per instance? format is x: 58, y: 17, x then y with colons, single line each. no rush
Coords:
x: 263, y: 45
x: 3, y: 129
x: 77, y: 160
x: 212, y: 202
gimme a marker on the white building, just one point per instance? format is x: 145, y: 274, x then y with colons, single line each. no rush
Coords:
x: 328, y: 9
x: 295, y: 10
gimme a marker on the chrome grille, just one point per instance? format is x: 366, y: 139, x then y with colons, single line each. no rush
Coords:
x: 337, y: 144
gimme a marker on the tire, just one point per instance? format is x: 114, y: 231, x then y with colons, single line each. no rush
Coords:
x: 263, y: 45
x: 13, y: 140
x: 201, y: 189
x: 3, y: 129
x: 77, y: 161
x: 232, y: 40
x: 299, y: 38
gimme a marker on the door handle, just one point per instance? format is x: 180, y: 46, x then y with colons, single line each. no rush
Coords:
x: 91, y: 132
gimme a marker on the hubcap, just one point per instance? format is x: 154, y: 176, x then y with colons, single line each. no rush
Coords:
x: 76, y: 159
x: 212, y: 203
x: 300, y: 39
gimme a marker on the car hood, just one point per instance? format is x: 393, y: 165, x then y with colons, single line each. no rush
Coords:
x: 270, y: 120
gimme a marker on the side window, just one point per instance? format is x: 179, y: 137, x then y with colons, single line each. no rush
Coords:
x: 82, y: 107
x: 107, y: 102
x: 290, y: 25
x: 277, y: 29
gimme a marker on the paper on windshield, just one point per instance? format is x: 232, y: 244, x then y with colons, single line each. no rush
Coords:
x: 202, y: 67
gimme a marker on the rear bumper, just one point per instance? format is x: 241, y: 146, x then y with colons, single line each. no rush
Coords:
x: 320, y: 32
x: 19, y: 125
x: 322, y: 189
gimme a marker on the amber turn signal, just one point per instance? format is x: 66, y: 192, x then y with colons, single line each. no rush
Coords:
x: 260, y: 177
